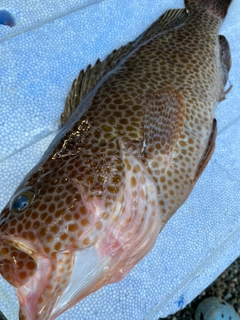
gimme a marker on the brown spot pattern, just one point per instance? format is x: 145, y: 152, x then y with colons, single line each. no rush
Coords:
x: 78, y: 184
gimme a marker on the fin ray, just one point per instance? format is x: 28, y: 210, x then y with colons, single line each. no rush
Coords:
x: 89, y: 78
x: 225, y: 56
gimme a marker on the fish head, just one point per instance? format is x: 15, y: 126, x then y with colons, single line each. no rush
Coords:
x: 38, y: 235
x: 73, y: 226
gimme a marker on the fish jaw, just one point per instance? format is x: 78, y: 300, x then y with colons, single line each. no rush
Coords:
x: 37, y: 292
x: 29, y: 293
x: 34, y: 284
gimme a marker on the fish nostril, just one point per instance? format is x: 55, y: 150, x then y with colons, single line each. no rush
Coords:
x: 6, y: 18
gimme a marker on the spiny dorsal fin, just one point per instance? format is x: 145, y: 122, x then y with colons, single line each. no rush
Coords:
x: 89, y: 78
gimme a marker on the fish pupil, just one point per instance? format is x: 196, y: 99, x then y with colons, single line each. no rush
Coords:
x: 21, y: 202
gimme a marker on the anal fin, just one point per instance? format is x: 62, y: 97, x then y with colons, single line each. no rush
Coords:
x: 208, y: 153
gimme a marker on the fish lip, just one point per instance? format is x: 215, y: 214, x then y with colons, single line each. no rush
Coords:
x: 18, y: 244
x: 31, y: 247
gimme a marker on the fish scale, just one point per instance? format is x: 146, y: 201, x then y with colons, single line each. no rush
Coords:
x: 137, y: 131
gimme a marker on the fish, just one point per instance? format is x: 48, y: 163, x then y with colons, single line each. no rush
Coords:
x: 137, y: 131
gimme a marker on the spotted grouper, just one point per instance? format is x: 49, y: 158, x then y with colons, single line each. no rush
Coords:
x: 137, y: 131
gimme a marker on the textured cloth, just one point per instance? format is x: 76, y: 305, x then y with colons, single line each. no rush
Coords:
x: 40, y: 56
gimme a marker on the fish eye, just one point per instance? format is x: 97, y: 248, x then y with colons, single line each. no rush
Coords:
x: 22, y: 201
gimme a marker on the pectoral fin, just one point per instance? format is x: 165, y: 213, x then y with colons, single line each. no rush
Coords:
x: 164, y: 120
x: 163, y: 123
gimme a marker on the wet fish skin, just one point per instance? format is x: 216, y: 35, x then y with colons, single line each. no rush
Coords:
x: 124, y: 161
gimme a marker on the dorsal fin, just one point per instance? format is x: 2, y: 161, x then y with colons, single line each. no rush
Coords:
x: 170, y: 20
x: 89, y: 78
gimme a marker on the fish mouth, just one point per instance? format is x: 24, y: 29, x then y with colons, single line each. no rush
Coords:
x: 27, y: 269
x: 30, y: 283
